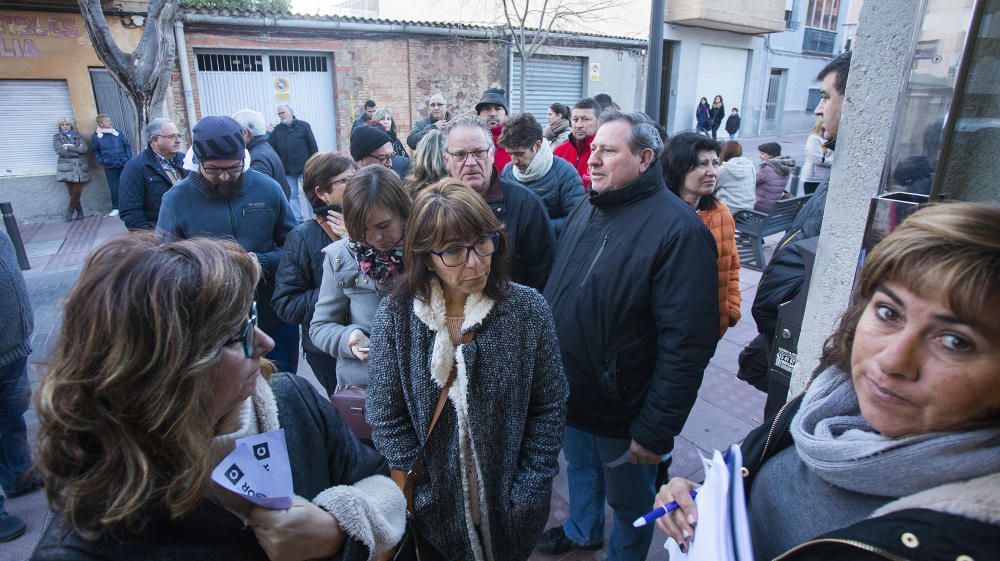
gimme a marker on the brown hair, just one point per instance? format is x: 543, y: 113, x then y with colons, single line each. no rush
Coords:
x: 521, y: 131
x: 320, y: 170
x: 125, y: 406
x: 445, y: 211
x: 731, y: 149
x: 373, y: 187
x: 949, y: 249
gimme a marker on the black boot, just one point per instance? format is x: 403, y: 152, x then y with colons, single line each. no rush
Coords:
x: 69, y: 214
x: 79, y: 212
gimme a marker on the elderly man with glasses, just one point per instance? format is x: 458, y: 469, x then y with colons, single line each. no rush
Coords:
x: 469, y: 158
x: 437, y: 116
x: 148, y: 175
x: 224, y: 199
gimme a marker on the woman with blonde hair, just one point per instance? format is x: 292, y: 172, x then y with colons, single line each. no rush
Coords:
x: 819, y: 160
x: 157, y: 373
x: 72, y: 167
x: 893, y: 451
x: 428, y: 163
x: 459, y: 339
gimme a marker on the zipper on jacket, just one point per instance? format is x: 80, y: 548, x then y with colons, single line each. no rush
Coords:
x: 232, y: 217
x: 853, y: 543
x: 594, y: 262
x: 770, y: 433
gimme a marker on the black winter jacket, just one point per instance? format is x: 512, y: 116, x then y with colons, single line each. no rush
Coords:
x: 912, y: 534
x: 141, y: 187
x: 634, y: 293
x: 322, y: 453
x: 294, y: 144
x: 300, y: 273
x: 421, y: 128
x: 532, y: 242
x: 264, y: 159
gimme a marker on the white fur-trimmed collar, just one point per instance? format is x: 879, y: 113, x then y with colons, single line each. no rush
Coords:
x: 977, y: 498
x: 432, y: 314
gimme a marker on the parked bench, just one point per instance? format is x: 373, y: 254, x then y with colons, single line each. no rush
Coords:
x: 753, y: 226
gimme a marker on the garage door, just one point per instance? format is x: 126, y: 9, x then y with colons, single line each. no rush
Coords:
x: 722, y: 71
x: 35, y: 107
x: 548, y: 80
x: 230, y: 81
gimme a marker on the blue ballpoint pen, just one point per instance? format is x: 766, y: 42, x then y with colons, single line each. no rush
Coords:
x: 658, y: 512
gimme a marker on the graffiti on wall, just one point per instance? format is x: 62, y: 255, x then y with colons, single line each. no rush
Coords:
x: 17, y: 32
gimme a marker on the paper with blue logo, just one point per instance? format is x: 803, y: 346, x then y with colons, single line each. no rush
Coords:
x: 259, y: 470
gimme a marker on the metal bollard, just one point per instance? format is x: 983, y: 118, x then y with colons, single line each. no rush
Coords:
x: 10, y: 222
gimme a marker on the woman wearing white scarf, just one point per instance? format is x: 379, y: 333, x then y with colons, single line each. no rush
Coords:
x: 894, y: 449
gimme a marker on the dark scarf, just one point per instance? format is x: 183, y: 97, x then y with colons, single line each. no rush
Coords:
x: 382, y: 266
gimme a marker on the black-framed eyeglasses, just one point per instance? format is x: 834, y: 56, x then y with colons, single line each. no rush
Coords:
x: 248, y: 335
x: 458, y: 255
x: 175, y: 136
x: 463, y: 156
x: 231, y: 170
x: 384, y: 160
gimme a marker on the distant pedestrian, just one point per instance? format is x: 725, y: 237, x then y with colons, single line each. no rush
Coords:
x: 437, y: 116
x: 772, y: 176
x: 16, y: 324
x: 606, y: 102
x: 294, y: 142
x: 716, y: 114
x: 702, y: 116
x: 150, y: 174
x: 557, y: 130
x: 367, y: 112
x: 819, y: 160
x: 737, y: 182
x: 428, y: 163
x: 263, y: 158
x: 492, y: 111
x: 111, y: 150
x: 733, y: 123
x: 71, y: 168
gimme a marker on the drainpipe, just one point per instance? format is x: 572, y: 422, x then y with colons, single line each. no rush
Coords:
x: 766, y: 83
x: 185, y: 76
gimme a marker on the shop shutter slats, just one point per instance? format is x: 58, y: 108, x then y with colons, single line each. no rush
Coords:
x: 722, y: 71
x: 35, y: 107
x: 548, y: 80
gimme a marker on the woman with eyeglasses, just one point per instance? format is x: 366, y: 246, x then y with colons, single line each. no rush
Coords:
x: 300, y: 270
x: 157, y: 373
x: 359, y: 270
x: 456, y: 323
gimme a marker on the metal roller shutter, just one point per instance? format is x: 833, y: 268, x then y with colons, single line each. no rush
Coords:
x: 722, y: 71
x: 548, y: 80
x: 36, y: 107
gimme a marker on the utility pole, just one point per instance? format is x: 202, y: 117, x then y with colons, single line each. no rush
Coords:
x: 654, y: 55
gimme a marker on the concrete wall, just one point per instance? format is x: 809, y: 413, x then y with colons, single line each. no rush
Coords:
x: 623, y: 73
x: 882, y: 56
x: 55, y: 46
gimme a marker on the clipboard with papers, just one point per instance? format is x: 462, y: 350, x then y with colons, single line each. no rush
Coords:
x: 723, y: 531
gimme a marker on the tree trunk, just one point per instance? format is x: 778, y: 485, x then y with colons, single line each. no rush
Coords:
x: 524, y: 73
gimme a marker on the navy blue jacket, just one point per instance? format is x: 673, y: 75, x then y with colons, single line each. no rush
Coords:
x: 111, y: 151
x: 257, y: 217
x: 141, y: 187
x: 561, y: 189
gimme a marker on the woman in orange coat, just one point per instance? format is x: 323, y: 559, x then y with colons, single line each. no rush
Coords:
x: 690, y: 169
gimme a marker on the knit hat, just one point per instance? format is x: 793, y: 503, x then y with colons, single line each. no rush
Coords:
x: 493, y: 96
x: 218, y: 138
x: 772, y: 149
x: 365, y: 140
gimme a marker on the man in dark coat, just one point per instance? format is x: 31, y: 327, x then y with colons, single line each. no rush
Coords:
x: 469, y: 158
x: 222, y: 200
x: 263, y: 158
x: 366, y: 114
x: 294, y: 142
x: 147, y: 176
x: 634, y: 294
x: 436, y: 117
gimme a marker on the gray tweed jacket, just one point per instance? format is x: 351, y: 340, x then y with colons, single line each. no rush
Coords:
x: 508, y: 400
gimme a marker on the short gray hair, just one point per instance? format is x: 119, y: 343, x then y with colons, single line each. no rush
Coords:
x: 382, y: 113
x: 154, y: 127
x: 465, y: 121
x: 251, y: 120
x: 643, y: 134
x: 286, y: 106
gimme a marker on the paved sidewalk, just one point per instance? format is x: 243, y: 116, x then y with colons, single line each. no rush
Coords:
x: 725, y: 411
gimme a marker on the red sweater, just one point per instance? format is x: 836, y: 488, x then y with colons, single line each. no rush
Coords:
x: 500, y: 156
x: 578, y: 156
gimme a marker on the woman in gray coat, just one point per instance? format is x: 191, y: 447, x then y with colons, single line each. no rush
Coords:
x: 72, y: 168
x: 359, y: 270
x: 483, y: 489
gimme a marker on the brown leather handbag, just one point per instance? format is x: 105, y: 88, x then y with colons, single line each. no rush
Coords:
x: 350, y: 403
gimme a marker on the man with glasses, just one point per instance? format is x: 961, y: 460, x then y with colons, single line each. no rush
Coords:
x: 371, y: 146
x: 223, y: 199
x: 294, y: 142
x: 148, y: 175
x: 469, y: 158
x: 436, y: 118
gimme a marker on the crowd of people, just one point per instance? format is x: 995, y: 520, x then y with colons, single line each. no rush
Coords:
x: 501, y: 290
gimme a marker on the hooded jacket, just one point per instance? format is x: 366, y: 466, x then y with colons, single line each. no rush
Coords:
x: 772, y: 178
x: 577, y: 153
x: 634, y: 293
x: 737, y: 184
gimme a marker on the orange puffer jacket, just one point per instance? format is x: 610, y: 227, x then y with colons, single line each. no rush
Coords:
x: 720, y: 222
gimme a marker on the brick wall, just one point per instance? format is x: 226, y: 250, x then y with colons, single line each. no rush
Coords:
x: 398, y: 72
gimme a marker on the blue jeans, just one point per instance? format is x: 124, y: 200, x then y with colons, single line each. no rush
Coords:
x: 294, y: 183
x: 15, y: 393
x: 629, y: 488
x: 113, y: 175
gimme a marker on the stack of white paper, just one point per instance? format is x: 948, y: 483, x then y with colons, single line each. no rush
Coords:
x: 723, y: 530
x: 258, y: 469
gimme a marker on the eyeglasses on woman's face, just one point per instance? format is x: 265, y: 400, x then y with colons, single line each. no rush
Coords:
x: 247, y: 337
x: 457, y: 255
